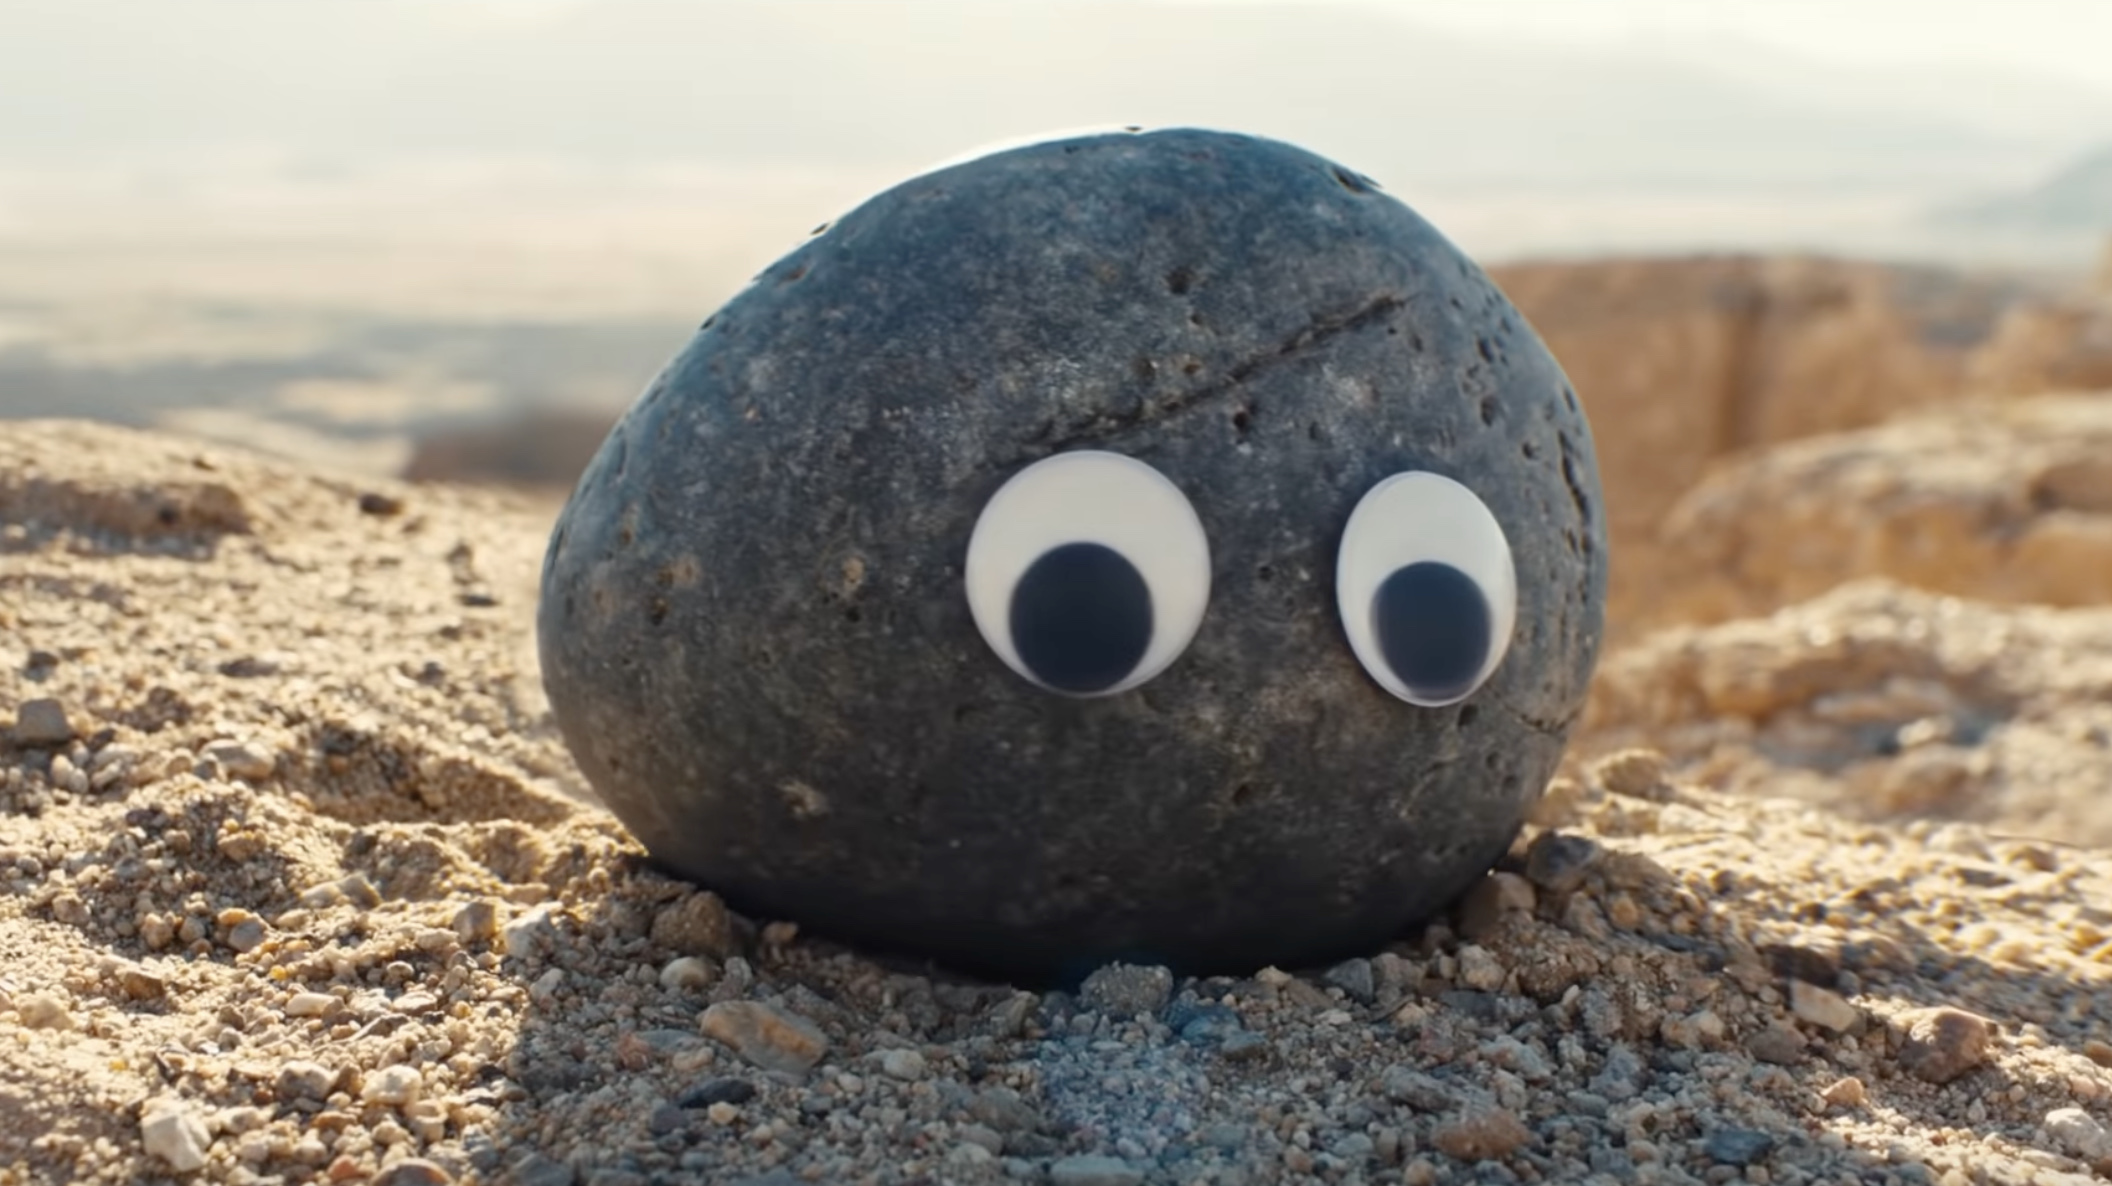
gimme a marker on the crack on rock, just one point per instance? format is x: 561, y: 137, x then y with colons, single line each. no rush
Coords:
x: 1053, y: 435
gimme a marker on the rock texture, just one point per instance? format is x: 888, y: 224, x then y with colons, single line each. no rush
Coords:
x: 463, y: 974
x: 1887, y: 703
x: 755, y: 633
x: 2002, y: 501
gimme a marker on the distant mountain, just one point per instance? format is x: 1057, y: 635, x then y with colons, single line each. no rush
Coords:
x: 2077, y: 198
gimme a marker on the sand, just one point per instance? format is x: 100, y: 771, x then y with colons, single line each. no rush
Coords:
x: 298, y: 884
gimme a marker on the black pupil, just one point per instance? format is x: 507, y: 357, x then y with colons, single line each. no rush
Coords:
x: 1081, y: 618
x: 1433, y: 627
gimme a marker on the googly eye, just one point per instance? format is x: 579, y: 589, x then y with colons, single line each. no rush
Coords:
x: 1426, y: 588
x: 1088, y: 573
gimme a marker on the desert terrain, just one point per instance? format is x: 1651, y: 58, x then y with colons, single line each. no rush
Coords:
x: 297, y: 882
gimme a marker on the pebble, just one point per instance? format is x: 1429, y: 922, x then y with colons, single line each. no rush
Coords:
x: 1558, y: 861
x: 1847, y: 1093
x: 722, y: 1090
x: 241, y: 760
x: 1419, y: 1091
x: 1777, y: 1044
x: 175, y: 1132
x: 1944, y: 1043
x: 688, y: 973
x: 771, y: 1038
x: 1481, y: 1134
x: 529, y: 934
x: 2078, y: 1134
x: 1127, y: 990
x: 1633, y: 773
x: 1822, y: 1007
x: 42, y: 724
x: 414, y: 1171
x: 905, y: 1065
x: 304, y: 1080
x: 1493, y: 900
x: 476, y: 922
x: 309, y: 1004
x: 1479, y: 970
x: 1355, y: 978
x: 393, y: 1086
x: 695, y: 924
x: 1737, y: 1146
x: 1087, y: 1170
x: 43, y: 1011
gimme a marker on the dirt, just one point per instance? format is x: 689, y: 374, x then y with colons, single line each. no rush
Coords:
x: 298, y: 884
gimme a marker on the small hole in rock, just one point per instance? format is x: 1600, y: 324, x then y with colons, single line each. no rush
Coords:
x: 852, y: 615
x: 657, y: 613
x: 1467, y: 713
x: 1179, y: 280
x: 1265, y: 573
x: 1243, y: 794
x: 1489, y: 408
x: 1242, y: 420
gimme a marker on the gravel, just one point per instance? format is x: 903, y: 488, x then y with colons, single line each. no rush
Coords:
x: 464, y: 969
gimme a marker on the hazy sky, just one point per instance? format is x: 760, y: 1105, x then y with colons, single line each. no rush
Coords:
x: 2062, y: 38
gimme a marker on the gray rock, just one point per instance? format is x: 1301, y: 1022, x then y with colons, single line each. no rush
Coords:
x: 42, y: 723
x: 1355, y: 978
x: 754, y: 630
x: 1094, y: 1171
x: 1126, y: 990
x: 1737, y: 1146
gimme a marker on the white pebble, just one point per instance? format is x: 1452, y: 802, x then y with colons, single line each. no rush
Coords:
x: 906, y: 1065
x: 2079, y: 1134
x: 174, y: 1132
x: 309, y: 1004
x: 687, y: 972
x: 393, y: 1086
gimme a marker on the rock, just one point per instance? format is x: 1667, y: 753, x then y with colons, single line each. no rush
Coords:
x: 43, y: 1011
x: 1417, y: 1090
x: 696, y: 924
x: 2008, y: 502
x: 1481, y: 1134
x: 688, y: 974
x: 310, y: 1004
x: 414, y: 1171
x: 1126, y: 990
x: 817, y: 717
x: 1634, y: 773
x: 241, y: 760
x: 476, y: 922
x: 1479, y: 970
x: 771, y: 1038
x: 2079, y: 1134
x: 1846, y: 1093
x: 42, y: 724
x: 905, y: 1065
x: 303, y: 1080
x: 1558, y: 861
x: 1094, y: 1171
x: 1737, y: 1146
x: 1354, y: 977
x: 1822, y: 1007
x: 175, y: 1131
x: 1777, y: 1044
x: 1942, y: 1044
x: 1494, y: 898
x: 393, y: 1086
x: 722, y: 1090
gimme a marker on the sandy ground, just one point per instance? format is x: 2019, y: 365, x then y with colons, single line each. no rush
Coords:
x: 296, y: 885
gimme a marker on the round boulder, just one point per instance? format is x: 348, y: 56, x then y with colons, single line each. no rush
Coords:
x: 1161, y: 547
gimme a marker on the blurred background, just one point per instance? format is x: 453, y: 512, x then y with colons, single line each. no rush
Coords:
x: 452, y: 238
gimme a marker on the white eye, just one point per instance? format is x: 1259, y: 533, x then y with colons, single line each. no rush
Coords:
x: 1426, y: 588
x: 1088, y: 573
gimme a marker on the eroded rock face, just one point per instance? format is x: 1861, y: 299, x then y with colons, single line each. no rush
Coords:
x: 754, y: 627
x: 2007, y: 502
x: 1884, y: 702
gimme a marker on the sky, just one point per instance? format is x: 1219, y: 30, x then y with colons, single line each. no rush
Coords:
x: 2063, y: 39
